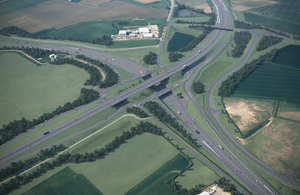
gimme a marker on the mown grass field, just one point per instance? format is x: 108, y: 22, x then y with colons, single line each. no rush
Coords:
x: 84, y: 31
x: 276, y: 80
x: 282, y: 25
x: 289, y: 110
x: 156, y: 182
x: 123, y: 88
x: 65, y: 182
x: 159, y: 4
x: 128, y: 165
x: 59, y: 14
x: 28, y: 90
x: 13, y: 5
x: 144, y: 94
x: 133, y: 43
x: 124, y: 73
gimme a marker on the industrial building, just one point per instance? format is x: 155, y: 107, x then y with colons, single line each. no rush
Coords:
x: 147, y: 35
x: 144, y: 30
x: 122, y: 32
x: 132, y: 35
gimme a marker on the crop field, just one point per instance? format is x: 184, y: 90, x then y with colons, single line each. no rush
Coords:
x: 285, y: 10
x: 86, y: 30
x: 131, y: 163
x: 197, y: 4
x: 286, y: 26
x: 94, y: 2
x: 59, y: 14
x: 277, y: 145
x: 28, y: 90
x: 289, y: 110
x: 134, y: 43
x: 248, y: 113
x: 150, y: 4
x: 8, y: 6
x: 277, y: 80
x: 156, y: 182
x: 242, y: 5
x: 65, y: 182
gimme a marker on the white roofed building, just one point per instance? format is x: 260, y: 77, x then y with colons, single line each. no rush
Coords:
x: 132, y: 35
x: 144, y: 30
x: 122, y: 32
x: 147, y: 35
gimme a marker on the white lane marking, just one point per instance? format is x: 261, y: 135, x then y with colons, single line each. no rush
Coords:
x: 224, y: 5
x: 218, y: 18
x: 210, y: 148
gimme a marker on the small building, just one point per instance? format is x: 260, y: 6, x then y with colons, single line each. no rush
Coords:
x: 204, y: 193
x: 144, y: 30
x: 122, y: 32
x: 147, y: 35
x: 132, y: 35
x: 135, y: 32
x: 52, y: 56
x: 113, y: 36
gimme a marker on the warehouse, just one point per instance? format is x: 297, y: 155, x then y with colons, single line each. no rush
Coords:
x: 132, y: 35
x: 122, y: 32
x: 147, y: 35
x: 144, y: 30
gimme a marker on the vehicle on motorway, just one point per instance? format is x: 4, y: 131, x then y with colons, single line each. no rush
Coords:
x: 42, y: 124
x: 197, y: 132
x: 46, y: 133
x: 178, y: 112
x: 221, y: 147
x: 184, y: 66
x: 199, y: 51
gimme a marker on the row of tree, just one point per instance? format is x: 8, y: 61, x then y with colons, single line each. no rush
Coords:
x: 14, y: 30
x: 241, y: 39
x: 178, y: 189
x: 12, y: 129
x: 150, y: 58
x: 244, y: 25
x: 155, y: 109
x: 198, y: 87
x: 34, y: 52
x: 111, y: 77
x: 137, y: 111
x: 16, y: 167
x: 268, y: 41
x: 182, y: 7
x: 175, y: 56
x: 211, y: 21
x: 228, y: 187
x: 197, y: 40
x: 19, y: 180
x: 228, y: 86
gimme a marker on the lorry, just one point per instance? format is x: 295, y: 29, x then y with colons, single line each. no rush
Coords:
x: 184, y: 66
x: 178, y: 112
x: 46, y: 133
x: 221, y: 147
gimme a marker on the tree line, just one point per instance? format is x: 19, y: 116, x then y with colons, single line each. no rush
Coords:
x: 228, y: 86
x: 137, y: 111
x: 34, y: 52
x: 228, y: 187
x: 111, y: 77
x: 244, y: 25
x: 175, y: 56
x: 183, y: 191
x: 150, y: 58
x: 13, y: 129
x: 241, y: 39
x: 23, y: 179
x: 155, y: 109
x: 197, y: 40
x: 182, y: 6
x: 211, y: 21
x: 16, y: 167
x: 268, y: 41
x: 198, y: 87
x: 14, y: 30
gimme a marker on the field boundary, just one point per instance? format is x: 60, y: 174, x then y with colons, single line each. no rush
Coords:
x: 125, y: 115
x: 26, y: 55
x: 101, y: 71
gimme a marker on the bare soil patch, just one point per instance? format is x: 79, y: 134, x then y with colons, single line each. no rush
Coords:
x: 246, y: 112
x: 206, y: 8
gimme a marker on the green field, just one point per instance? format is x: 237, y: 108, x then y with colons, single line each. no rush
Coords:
x: 277, y: 80
x: 162, y: 4
x: 128, y: 165
x: 65, y: 182
x: 123, y: 88
x: 28, y: 90
x: 124, y: 73
x: 156, y: 182
x: 285, y: 10
x: 86, y: 31
x: 282, y: 25
x: 142, y: 95
x: 133, y: 43
x: 179, y: 40
x: 13, y: 5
